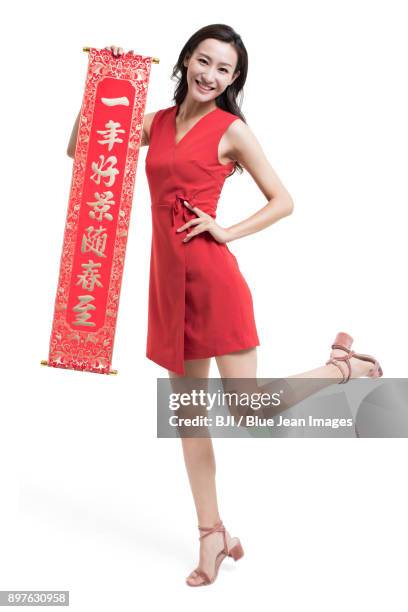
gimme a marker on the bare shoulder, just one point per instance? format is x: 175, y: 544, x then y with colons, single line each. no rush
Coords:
x: 147, y: 122
x: 239, y: 136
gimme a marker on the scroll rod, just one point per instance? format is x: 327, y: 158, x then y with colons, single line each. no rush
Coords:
x: 155, y: 60
x: 44, y: 362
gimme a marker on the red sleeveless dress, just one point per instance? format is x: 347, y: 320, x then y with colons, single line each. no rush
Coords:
x: 199, y: 302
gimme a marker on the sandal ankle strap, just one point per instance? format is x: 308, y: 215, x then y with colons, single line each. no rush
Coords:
x: 217, y: 527
x: 341, y: 347
x: 346, y: 359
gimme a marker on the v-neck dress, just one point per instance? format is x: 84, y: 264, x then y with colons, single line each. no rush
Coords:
x: 199, y: 302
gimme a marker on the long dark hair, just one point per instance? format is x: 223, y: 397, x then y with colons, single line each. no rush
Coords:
x: 228, y: 99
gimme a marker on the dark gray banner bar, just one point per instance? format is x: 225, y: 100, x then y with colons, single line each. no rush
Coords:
x: 282, y: 407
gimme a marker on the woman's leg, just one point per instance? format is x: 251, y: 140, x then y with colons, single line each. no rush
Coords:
x: 243, y: 364
x: 199, y: 455
x: 200, y: 464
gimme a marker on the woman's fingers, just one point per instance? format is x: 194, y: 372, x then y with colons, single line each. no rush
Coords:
x: 195, y: 209
x: 188, y: 224
x: 116, y: 51
x: 198, y: 230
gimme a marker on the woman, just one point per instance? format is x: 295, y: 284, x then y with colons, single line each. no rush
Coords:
x: 199, y: 303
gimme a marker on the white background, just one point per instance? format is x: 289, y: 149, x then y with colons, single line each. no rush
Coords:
x: 92, y: 502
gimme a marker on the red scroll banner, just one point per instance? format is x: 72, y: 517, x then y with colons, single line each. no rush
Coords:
x: 96, y: 229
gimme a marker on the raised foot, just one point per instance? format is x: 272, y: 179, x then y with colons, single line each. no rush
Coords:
x: 350, y: 364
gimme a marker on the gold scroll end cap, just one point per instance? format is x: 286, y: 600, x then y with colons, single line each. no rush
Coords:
x: 86, y: 49
x: 113, y: 372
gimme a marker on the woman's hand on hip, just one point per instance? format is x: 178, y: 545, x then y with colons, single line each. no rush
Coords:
x: 204, y: 223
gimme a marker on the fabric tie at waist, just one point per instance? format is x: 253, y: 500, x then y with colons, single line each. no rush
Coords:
x: 178, y: 205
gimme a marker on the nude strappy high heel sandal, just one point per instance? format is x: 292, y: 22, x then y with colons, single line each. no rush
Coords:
x: 235, y: 551
x: 343, y: 341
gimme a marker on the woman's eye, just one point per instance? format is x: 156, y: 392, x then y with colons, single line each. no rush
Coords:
x: 202, y: 60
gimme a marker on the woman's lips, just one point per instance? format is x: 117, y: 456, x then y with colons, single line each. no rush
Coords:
x: 202, y: 88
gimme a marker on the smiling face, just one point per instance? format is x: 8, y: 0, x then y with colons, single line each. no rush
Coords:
x: 210, y: 69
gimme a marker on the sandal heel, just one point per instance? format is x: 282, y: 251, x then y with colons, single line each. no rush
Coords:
x: 236, y: 552
x: 344, y: 340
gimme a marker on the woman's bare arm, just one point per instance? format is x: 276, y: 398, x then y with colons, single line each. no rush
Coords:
x: 245, y: 148
x: 146, y: 129
x: 73, y: 139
